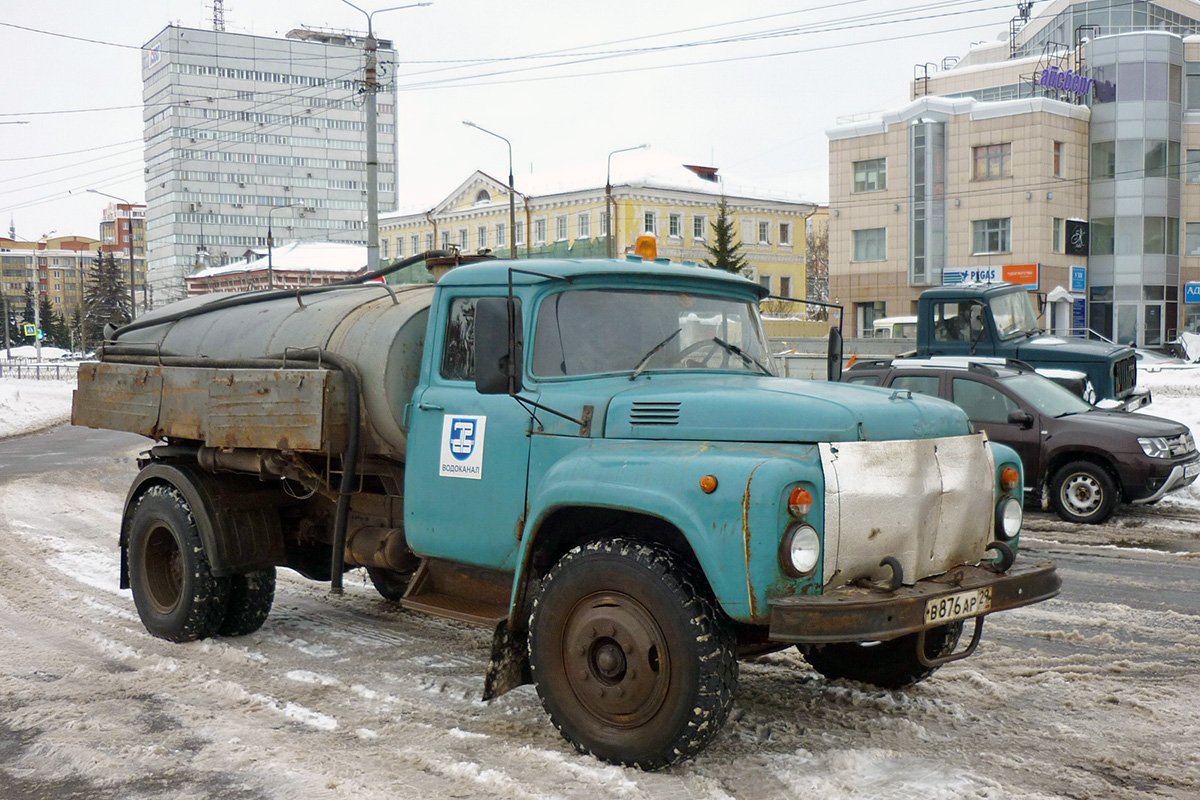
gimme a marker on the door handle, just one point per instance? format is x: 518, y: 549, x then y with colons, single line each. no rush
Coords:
x: 430, y: 407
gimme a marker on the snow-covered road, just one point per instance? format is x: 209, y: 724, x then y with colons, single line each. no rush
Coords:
x: 1090, y: 695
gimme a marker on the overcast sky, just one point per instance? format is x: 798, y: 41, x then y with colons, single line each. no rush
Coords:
x: 747, y: 87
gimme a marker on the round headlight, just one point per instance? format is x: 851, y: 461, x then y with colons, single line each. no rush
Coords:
x: 1009, y: 516
x: 801, y: 550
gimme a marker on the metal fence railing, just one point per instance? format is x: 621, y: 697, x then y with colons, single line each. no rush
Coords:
x: 39, y: 371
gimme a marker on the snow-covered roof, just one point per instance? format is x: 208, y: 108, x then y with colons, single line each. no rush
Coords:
x: 300, y: 256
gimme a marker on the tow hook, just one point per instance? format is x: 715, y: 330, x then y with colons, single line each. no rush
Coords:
x: 1006, y: 559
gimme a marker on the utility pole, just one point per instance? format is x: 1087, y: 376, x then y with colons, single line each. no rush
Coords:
x: 370, y: 88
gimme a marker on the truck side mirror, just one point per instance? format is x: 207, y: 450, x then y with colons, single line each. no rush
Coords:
x: 498, y: 345
x: 833, y: 369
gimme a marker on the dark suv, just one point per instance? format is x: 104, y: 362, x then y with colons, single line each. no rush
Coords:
x: 1080, y: 459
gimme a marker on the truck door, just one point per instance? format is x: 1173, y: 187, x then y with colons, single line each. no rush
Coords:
x: 468, y: 454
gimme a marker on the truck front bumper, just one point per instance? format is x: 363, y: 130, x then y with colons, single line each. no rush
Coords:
x: 864, y: 614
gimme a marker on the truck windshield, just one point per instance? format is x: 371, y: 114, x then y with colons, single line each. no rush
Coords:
x: 593, y: 331
x: 1014, y: 315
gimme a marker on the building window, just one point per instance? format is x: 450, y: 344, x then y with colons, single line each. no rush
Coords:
x: 1101, y: 236
x: 501, y: 235
x: 560, y: 228
x: 764, y: 233
x: 584, y: 224
x: 1161, y: 159
x: 1058, y: 153
x: 765, y: 282
x: 482, y: 197
x: 785, y: 233
x: 1056, y: 235
x: 416, y: 242
x: 604, y: 223
x: 383, y: 249
x: 674, y: 226
x: 870, y: 244
x: 445, y: 240
x: 649, y: 223
x: 870, y: 175
x: 1160, y: 236
x: 1192, y: 174
x: 785, y: 285
x: 700, y: 227
x: 991, y: 236
x: 539, y: 231
x: 399, y: 247
x: 481, y: 237
x: 992, y: 161
x: 520, y: 232
x: 1104, y: 160
x: 463, y: 242
x: 1192, y: 244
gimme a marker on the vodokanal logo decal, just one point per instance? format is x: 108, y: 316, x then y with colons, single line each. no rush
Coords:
x: 462, y: 447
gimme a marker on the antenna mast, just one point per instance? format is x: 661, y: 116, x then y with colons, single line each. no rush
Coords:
x: 218, y: 8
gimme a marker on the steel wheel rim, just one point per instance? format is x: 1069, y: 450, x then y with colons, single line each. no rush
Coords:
x: 616, y: 659
x: 1082, y: 494
x: 163, y: 570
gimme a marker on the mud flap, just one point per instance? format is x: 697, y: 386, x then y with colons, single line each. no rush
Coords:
x: 509, y: 667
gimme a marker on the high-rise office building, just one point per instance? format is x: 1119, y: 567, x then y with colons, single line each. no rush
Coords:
x: 249, y: 133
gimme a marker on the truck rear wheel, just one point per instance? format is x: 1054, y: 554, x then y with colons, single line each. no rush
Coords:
x: 174, y: 590
x: 633, y: 662
x: 890, y: 665
x: 250, y: 599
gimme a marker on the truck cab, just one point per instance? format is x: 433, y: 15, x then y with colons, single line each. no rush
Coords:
x: 999, y: 320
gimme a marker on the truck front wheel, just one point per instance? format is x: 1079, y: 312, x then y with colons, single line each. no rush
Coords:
x: 890, y: 665
x: 174, y: 590
x: 1083, y: 492
x: 633, y: 662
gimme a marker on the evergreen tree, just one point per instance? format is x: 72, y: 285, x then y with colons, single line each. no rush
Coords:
x: 54, y: 330
x: 105, y: 298
x: 77, y: 330
x: 725, y: 250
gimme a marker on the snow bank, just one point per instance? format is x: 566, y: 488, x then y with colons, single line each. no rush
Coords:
x: 27, y: 405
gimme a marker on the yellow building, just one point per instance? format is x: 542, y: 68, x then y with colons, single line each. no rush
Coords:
x: 563, y: 216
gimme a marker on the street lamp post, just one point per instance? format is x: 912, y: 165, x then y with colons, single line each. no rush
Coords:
x: 271, y: 245
x: 609, y: 227
x: 512, y: 192
x: 132, y: 276
x: 370, y: 88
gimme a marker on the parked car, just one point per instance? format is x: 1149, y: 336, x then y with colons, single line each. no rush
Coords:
x: 1079, y: 459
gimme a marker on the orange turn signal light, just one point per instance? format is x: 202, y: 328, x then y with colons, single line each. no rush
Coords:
x: 709, y: 484
x: 800, y: 502
x: 1009, y: 478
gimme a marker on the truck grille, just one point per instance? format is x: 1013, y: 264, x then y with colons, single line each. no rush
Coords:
x: 1124, y: 376
x: 654, y: 413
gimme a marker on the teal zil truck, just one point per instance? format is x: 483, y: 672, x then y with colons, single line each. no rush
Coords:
x: 998, y: 319
x: 595, y: 459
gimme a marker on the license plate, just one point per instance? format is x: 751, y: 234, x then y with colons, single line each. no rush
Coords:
x: 958, y: 606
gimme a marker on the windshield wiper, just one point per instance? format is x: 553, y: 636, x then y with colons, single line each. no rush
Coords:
x: 748, y: 359
x: 646, y: 358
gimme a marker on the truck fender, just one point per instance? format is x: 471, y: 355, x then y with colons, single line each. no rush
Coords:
x: 238, y: 530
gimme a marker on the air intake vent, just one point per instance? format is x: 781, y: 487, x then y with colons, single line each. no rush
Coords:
x: 654, y: 413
